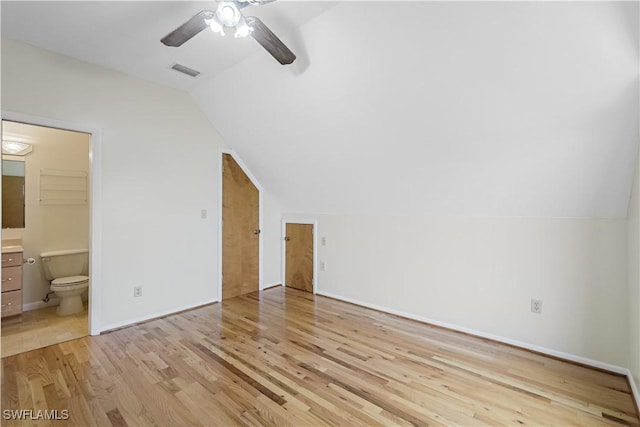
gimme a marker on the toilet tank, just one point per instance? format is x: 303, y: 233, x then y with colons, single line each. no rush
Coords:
x: 72, y: 262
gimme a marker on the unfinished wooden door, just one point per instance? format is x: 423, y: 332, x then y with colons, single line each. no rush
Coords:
x: 299, y: 256
x: 240, y: 231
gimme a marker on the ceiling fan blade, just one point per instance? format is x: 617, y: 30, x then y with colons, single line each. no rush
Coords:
x: 244, y: 3
x: 187, y: 30
x: 263, y: 35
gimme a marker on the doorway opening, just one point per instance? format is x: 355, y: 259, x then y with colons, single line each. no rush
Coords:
x: 46, y: 218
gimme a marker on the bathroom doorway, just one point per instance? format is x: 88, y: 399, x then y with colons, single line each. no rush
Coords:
x: 55, y: 204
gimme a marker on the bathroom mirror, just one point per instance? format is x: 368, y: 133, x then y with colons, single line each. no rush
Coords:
x: 13, y: 173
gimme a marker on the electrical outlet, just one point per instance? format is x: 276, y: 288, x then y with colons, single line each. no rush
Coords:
x: 536, y: 306
x: 137, y: 291
x: 203, y: 214
x: 323, y: 266
x: 323, y: 241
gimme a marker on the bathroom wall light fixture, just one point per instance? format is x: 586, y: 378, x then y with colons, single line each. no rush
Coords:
x: 16, y: 148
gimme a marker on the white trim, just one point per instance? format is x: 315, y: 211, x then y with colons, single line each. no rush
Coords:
x: 95, y: 205
x: 526, y: 346
x: 219, y: 284
x: 632, y: 380
x: 132, y: 322
x: 283, y: 252
x: 634, y: 388
x: 53, y: 301
x: 271, y: 285
x: 293, y: 220
x: 257, y: 184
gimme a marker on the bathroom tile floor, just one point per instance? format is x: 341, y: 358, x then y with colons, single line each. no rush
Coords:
x: 40, y: 328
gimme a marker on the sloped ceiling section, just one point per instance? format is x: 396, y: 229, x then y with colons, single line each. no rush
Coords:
x: 481, y: 109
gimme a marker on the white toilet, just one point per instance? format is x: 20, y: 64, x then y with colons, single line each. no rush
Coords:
x: 67, y: 271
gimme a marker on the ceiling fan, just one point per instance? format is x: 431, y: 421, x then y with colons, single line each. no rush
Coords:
x: 228, y: 14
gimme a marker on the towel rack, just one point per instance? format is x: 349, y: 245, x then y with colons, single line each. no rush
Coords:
x: 63, y: 187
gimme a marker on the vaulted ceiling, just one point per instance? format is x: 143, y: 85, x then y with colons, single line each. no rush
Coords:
x: 488, y: 109
x: 125, y: 35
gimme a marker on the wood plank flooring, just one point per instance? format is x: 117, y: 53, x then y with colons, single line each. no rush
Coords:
x: 286, y: 357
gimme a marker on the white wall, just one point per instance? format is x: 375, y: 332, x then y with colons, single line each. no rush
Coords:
x: 271, y: 240
x: 633, y: 248
x: 481, y: 274
x: 159, y: 169
x: 49, y: 226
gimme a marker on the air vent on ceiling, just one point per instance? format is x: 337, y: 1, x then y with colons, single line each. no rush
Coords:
x: 185, y: 70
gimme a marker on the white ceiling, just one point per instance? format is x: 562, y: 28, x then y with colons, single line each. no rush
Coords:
x: 434, y: 108
x: 125, y: 35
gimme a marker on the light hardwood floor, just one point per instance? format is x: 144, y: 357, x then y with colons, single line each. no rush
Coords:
x: 40, y: 328
x: 285, y: 357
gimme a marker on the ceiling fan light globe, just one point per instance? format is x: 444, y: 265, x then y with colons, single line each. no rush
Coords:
x: 215, y: 25
x: 228, y: 14
x: 243, y: 29
x: 242, y: 32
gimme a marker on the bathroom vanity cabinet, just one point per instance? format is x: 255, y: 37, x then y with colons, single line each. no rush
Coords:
x: 11, y: 283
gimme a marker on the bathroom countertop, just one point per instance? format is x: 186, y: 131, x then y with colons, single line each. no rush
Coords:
x: 9, y: 249
x: 10, y: 246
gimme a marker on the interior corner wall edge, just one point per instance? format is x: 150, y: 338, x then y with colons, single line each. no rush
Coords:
x: 159, y: 169
x: 633, y: 273
x: 481, y: 274
x: 271, y: 235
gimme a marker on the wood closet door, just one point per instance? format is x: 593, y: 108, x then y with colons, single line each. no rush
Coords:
x: 299, y: 256
x: 240, y: 231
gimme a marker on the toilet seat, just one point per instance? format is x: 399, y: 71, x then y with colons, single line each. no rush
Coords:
x: 69, y: 281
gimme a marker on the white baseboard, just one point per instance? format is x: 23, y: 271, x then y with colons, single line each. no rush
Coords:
x: 272, y: 285
x: 40, y: 304
x: 559, y: 354
x: 524, y: 345
x: 634, y: 388
x: 131, y: 322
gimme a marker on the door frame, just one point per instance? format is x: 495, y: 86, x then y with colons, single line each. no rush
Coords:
x: 293, y: 220
x: 258, y: 186
x: 95, y: 205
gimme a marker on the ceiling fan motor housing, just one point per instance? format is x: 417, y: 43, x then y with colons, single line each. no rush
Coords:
x: 228, y: 13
